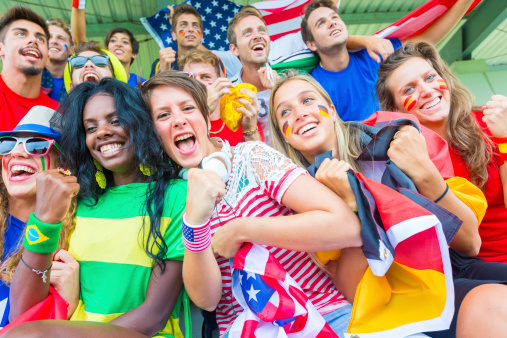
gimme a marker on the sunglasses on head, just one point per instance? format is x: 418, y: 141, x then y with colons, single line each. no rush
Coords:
x: 35, y: 145
x: 80, y: 61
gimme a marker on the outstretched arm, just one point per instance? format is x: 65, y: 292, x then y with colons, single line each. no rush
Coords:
x: 443, y: 25
x: 78, y: 24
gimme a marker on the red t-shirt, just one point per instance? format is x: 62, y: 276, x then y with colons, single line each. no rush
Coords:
x: 493, y: 229
x: 226, y: 134
x: 13, y: 107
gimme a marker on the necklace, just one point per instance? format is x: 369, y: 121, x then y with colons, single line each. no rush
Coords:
x: 216, y: 132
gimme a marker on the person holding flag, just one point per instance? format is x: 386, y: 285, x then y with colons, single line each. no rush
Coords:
x: 236, y: 199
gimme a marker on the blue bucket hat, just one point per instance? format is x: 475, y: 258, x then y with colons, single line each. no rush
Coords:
x: 39, y: 120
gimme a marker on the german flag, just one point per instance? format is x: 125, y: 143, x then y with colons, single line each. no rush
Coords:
x: 181, y: 32
x: 442, y: 84
x: 323, y: 111
x: 286, y: 129
x: 409, y: 103
x: 198, y: 34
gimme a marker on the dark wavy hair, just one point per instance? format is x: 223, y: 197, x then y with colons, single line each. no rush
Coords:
x: 136, y: 122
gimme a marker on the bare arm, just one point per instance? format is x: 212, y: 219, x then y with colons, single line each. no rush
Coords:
x: 408, y: 151
x: 78, y: 25
x: 163, y: 291
x: 443, y: 25
x: 54, y: 194
x: 321, y: 222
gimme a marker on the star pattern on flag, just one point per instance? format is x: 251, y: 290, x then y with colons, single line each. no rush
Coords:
x: 215, y: 15
x: 252, y: 293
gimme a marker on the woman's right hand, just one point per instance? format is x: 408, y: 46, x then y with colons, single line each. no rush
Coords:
x: 495, y: 116
x: 205, y: 189
x: 54, y: 195
x: 333, y: 174
x: 65, y: 279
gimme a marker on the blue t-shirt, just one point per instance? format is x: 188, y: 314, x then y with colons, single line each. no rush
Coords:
x: 57, y: 88
x: 12, y: 237
x: 135, y: 80
x: 352, y: 90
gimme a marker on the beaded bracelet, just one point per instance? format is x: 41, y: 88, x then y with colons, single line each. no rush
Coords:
x: 196, y: 238
x: 251, y: 132
x: 39, y: 272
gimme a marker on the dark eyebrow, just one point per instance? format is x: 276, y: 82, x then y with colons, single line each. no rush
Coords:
x: 41, y: 34
x: 108, y: 116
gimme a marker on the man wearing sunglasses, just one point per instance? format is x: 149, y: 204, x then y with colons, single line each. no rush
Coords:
x: 24, y: 54
x: 91, y: 63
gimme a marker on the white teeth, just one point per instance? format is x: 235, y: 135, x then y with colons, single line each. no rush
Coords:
x: 335, y: 32
x: 183, y: 137
x: 91, y: 76
x: 17, y: 169
x: 109, y: 148
x: 32, y: 52
x: 258, y: 46
x: 431, y: 104
x: 54, y: 49
x: 306, y: 128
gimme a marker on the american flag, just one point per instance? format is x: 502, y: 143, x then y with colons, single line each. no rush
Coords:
x: 215, y: 15
x: 195, y: 239
x: 274, y: 304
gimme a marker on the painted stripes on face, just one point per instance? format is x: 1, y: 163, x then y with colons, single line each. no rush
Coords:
x: 442, y: 84
x: 409, y: 103
x: 323, y: 111
x: 181, y: 32
x: 198, y: 34
x: 286, y: 129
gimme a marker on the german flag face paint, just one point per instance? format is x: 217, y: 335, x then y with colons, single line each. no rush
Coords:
x: 198, y: 34
x: 409, y: 103
x: 286, y: 129
x: 181, y: 32
x: 442, y: 85
x: 323, y: 111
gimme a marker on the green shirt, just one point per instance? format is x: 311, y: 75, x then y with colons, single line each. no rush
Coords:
x: 109, y: 244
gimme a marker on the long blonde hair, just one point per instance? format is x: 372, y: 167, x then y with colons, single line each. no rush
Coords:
x: 465, y: 134
x: 10, y: 263
x: 347, y: 140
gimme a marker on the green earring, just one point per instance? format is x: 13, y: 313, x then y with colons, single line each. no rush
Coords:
x: 99, y: 175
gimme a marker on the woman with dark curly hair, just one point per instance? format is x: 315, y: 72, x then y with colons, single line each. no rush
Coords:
x: 127, y: 236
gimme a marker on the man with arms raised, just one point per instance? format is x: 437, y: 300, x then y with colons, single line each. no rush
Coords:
x: 24, y: 54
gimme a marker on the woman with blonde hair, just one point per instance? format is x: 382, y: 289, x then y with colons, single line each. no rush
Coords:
x: 302, y: 132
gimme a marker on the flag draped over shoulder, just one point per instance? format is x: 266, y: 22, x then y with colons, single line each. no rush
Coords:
x: 274, y: 304
x: 408, y: 286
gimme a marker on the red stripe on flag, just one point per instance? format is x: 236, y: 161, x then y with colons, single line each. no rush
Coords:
x: 249, y: 329
x: 285, y: 15
x: 429, y: 258
x: 278, y: 36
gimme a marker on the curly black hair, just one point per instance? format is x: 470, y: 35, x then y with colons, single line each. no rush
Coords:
x: 136, y: 122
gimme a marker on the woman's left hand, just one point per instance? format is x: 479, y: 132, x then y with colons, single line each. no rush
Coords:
x: 495, y: 116
x: 227, y: 240
x: 408, y: 151
x: 333, y: 174
x: 65, y: 279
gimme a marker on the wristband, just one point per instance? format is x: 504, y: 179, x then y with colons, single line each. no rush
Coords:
x: 502, y: 146
x: 250, y: 132
x: 41, y: 237
x: 79, y: 4
x: 442, y: 196
x: 196, y: 238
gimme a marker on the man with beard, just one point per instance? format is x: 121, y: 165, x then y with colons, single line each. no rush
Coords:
x: 350, y: 78
x: 24, y: 53
x: 249, y: 41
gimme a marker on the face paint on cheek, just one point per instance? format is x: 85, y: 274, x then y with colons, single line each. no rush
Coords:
x: 198, y: 34
x: 323, y: 111
x: 49, y: 161
x: 286, y: 129
x: 66, y: 48
x: 181, y: 32
x: 4, y: 162
x: 442, y: 84
x: 43, y: 163
x: 409, y: 103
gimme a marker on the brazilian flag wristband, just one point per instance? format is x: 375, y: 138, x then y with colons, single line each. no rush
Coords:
x: 41, y: 237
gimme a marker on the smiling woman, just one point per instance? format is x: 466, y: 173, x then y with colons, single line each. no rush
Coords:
x: 128, y: 197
